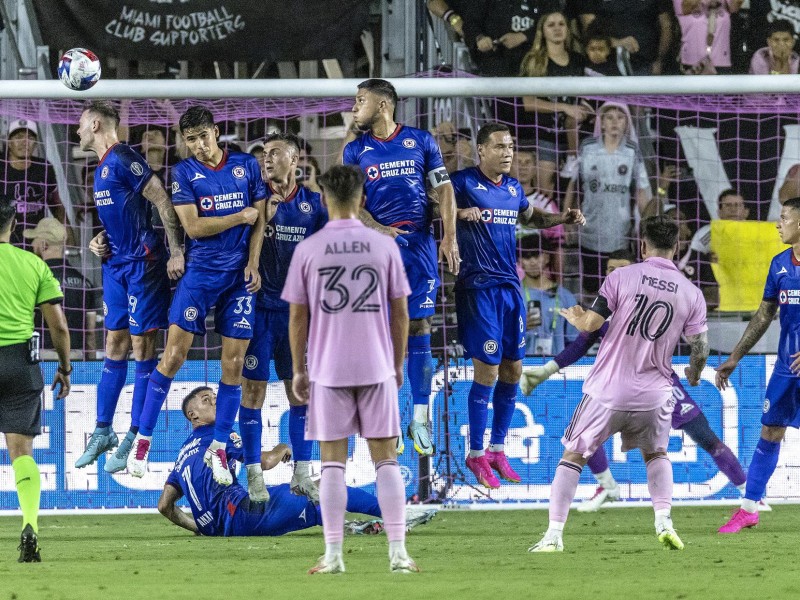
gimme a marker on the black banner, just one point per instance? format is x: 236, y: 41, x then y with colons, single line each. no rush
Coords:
x: 206, y: 30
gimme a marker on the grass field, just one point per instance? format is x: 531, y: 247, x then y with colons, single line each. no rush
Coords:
x: 463, y: 554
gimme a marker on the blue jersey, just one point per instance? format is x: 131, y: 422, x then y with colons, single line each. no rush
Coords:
x: 230, y: 187
x: 126, y: 214
x: 212, y: 504
x: 488, y: 247
x: 396, y: 168
x: 301, y: 215
x: 783, y: 287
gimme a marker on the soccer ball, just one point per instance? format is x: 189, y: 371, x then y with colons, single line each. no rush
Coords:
x: 79, y: 69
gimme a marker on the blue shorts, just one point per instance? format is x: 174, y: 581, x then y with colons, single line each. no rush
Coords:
x: 136, y: 296
x: 491, y: 323
x: 782, y: 402
x: 284, y: 513
x: 422, y: 270
x: 200, y: 290
x: 270, y: 342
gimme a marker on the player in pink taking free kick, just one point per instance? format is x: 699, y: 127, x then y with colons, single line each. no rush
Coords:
x: 347, y: 290
x: 629, y: 388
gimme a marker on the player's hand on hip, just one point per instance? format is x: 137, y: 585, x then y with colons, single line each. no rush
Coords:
x: 301, y: 387
x: 724, y: 372
x: 448, y: 250
x: 472, y: 214
x: 176, y: 265
x: 252, y: 278
x: 692, y: 376
x: 99, y: 245
x: 249, y: 215
x: 62, y: 382
x: 573, y: 216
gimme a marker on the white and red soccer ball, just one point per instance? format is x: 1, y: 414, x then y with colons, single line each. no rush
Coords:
x: 79, y: 69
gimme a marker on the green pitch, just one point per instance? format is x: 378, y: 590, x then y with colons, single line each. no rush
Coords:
x: 611, y: 555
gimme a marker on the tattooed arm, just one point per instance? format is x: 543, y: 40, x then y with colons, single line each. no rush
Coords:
x: 756, y: 328
x: 697, y: 358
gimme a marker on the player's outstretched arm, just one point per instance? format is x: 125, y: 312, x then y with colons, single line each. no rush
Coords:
x: 167, y: 507
x: 197, y: 227
x: 448, y: 247
x: 154, y: 191
x: 298, y: 340
x: 697, y: 358
x: 756, y: 328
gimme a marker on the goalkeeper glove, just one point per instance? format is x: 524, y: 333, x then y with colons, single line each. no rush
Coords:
x: 533, y: 376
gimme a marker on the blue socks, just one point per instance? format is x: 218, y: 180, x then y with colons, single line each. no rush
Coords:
x: 504, y: 402
x: 250, y: 426
x: 765, y: 459
x: 157, y: 390
x: 477, y: 409
x: 301, y: 448
x: 111, y: 383
x: 144, y: 368
x: 229, y: 397
x: 420, y: 368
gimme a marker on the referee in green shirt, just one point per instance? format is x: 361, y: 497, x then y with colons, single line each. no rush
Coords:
x: 25, y: 283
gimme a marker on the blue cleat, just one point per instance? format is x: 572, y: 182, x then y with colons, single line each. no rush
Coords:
x: 118, y: 461
x: 98, y: 444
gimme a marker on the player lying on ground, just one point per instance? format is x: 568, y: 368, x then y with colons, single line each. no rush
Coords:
x: 219, y: 510
x: 686, y: 416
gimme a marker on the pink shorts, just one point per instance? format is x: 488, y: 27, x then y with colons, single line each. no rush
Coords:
x: 592, y: 424
x: 337, y: 413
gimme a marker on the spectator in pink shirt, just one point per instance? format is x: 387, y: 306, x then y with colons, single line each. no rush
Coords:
x: 778, y: 57
x: 706, y: 34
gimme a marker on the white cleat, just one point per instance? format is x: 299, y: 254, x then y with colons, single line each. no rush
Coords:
x: 401, y: 562
x: 137, y: 459
x: 762, y: 506
x: 217, y: 460
x: 303, y: 485
x: 419, y: 516
x: 256, y: 488
x: 549, y: 543
x: 328, y: 567
x: 601, y: 496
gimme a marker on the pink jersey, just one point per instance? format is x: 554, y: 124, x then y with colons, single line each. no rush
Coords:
x: 346, y: 274
x: 694, y: 34
x: 652, y: 305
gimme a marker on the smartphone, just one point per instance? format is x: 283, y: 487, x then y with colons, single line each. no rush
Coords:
x: 534, y: 310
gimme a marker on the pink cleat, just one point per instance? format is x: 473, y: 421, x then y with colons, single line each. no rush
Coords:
x: 479, y: 465
x: 741, y: 519
x: 499, y: 462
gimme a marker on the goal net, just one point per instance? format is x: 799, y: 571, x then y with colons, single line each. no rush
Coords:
x: 687, y: 149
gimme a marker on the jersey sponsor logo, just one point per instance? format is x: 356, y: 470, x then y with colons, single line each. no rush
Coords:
x: 176, y: 187
x: 394, y: 168
x: 409, y: 143
x: 789, y: 297
x: 136, y: 169
x: 486, y: 215
x: 366, y: 149
x: 236, y: 439
x: 190, y: 314
x: 206, y: 203
x: 104, y: 172
x: 782, y: 271
x: 197, y: 176
x: 243, y: 323
x: 305, y: 207
x: 512, y: 190
x: 499, y: 216
x: 103, y: 198
x: 480, y: 186
x: 238, y: 172
x: 250, y: 362
x: 490, y: 346
x: 373, y: 173
x: 766, y: 405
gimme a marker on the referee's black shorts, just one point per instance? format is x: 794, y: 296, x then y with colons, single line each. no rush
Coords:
x: 21, y: 386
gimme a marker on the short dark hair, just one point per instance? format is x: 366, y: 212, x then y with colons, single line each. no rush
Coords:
x: 287, y: 138
x: 488, y: 129
x: 8, y: 208
x: 623, y: 254
x: 726, y: 193
x: 104, y: 108
x: 597, y: 31
x: 191, y: 396
x: 380, y: 87
x: 660, y: 231
x: 780, y: 26
x: 793, y: 203
x: 341, y: 183
x: 196, y: 116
